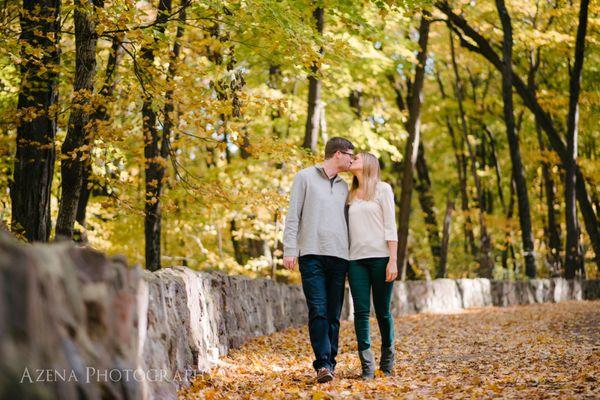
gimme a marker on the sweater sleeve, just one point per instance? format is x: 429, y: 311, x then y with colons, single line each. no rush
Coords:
x: 389, y: 213
x: 292, y: 220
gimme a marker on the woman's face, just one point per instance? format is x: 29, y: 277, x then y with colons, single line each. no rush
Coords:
x: 357, y: 164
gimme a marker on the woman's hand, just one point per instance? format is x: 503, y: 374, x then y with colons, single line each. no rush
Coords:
x: 391, y: 271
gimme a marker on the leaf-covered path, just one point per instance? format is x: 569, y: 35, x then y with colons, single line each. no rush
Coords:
x: 537, y: 352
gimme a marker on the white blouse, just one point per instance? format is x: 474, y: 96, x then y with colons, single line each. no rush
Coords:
x: 371, y: 223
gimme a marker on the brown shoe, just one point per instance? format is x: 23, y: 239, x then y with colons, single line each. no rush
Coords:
x: 324, y: 375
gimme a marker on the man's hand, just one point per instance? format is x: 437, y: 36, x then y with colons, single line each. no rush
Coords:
x: 290, y: 262
x: 391, y: 271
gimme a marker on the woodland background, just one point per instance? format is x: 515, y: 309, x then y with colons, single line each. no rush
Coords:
x: 170, y: 131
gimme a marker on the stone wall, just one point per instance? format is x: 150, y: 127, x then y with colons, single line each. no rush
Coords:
x: 453, y: 295
x: 64, y: 310
x: 77, y: 324
x: 194, y: 317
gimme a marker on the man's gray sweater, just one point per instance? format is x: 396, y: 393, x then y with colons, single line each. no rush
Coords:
x: 316, y: 222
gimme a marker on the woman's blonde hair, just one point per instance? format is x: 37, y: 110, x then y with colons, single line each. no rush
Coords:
x: 371, y: 176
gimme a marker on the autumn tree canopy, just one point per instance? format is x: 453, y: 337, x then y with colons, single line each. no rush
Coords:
x: 170, y: 130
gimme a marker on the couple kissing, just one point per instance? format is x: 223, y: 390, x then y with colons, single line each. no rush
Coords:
x: 332, y: 232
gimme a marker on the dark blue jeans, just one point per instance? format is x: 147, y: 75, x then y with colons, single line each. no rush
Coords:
x: 323, y: 281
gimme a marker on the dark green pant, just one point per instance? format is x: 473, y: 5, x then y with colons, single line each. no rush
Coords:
x: 363, y: 275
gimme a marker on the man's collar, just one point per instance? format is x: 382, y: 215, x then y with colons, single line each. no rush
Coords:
x: 320, y: 168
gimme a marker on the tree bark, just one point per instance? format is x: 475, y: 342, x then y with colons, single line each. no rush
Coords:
x: 274, y: 82
x: 355, y: 102
x: 30, y: 189
x: 486, y: 262
x: 552, y: 231
x: 509, y: 248
x: 513, y: 142
x: 76, y: 147
x: 573, y: 255
x: 552, y: 228
x: 243, y: 248
x: 99, y: 117
x: 461, y: 167
x: 441, y: 271
x: 423, y: 188
x: 154, y: 164
x: 496, y: 165
x: 237, y: 248
x: 169, y: 110
x: 413, y: 127
x: 423, y: 184
x: 169, y: 107
x: 313, y: 116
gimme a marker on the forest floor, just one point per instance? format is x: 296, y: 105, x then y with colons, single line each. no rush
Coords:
x: 524, y: 352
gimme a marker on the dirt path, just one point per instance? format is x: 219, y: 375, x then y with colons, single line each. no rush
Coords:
x: 535, y: 352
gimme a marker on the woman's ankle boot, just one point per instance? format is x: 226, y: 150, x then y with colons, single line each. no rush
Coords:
x: 367, y: 363
x: 387, y: 360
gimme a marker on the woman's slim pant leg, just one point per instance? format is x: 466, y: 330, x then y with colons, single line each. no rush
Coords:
x: 382, y: 300
x: 360, y: 288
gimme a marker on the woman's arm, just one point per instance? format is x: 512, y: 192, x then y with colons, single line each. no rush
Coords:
x: 389, y: 213
x: 393, y: 246
x: 391, y: 234
x: 391, y: 271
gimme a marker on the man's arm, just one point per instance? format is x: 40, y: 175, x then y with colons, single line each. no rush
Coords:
x: 292, y: 222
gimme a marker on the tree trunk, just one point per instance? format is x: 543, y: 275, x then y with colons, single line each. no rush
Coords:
x: 169, y: 107
x: 275, y: 246
x: 274, y: 82
x: 237, y: 248
x: 76, y: 147
x: 461, y: 164
x: 552, y: 229
x: 30, y: 189
x: 423, y: 185
x: 496, y: 165
x: 547, y: 188
x: 481, y: 160
x: 169, y: 110
x: 441, y: 271
x: 513, y: 142
x: 423, y: 188
x: 412, y: 144
x: 313, y: 116
x: 573, y: 255
x: 486, y: 262
x: 355, y: 102
x: 99, y: 117
x: 154, y: 164
x: 508, y: 239
x: 461, y: 167
x: 243, y: 248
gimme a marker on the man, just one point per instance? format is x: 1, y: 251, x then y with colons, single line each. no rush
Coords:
x: 316, y: 236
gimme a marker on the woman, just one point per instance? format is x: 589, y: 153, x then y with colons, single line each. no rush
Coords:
x: 373, y: 245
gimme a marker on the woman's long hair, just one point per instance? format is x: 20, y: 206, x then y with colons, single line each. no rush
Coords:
x: 371, y: 177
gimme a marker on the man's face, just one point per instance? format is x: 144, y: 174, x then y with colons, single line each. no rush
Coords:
x: 345, y: 158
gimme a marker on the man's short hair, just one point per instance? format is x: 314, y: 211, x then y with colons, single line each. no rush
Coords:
x: 336, y: 144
